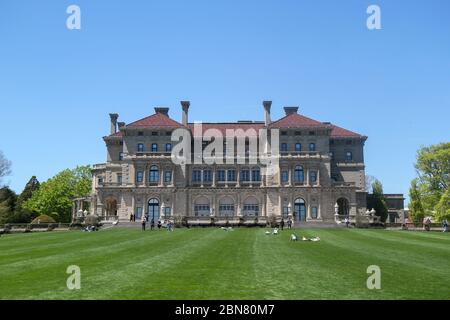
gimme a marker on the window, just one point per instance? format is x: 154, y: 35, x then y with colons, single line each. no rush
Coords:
x: 201, y: 209
x: 154, y: 147
x: 284, y: 133
x: 298, y: 133
x: 284, y: 176
x: 207, y: 176
x: 251, y: 208
x: 285, y: 211
x: 298, y: 147
x: 283, y: 147
x: 312, y: 133
x: 139, y: 176
x: 348, y: 142
x: 154, y: 174
x: 231, y: 175
x: 196, y: 175
x: 331, y: 155
x: 313, y: 176
x: 312, y: 147
x: 168, y: 147
x: 138, y: 212
x: 314, y: 212
x: 245, y: 175
x: 140, y: 147
x: 168, y: 133
x: 167, y: 176
x: 226, y: 207
x: 220, y: 175
x: 154, y: 133
x: 299, y: 174
x: 119, y: 179
x: 167, y: 211
x: 120, y: 156
x: 348, y: 156
x: 100, y: 180
x: 140, y: 133
x: 256, y: 175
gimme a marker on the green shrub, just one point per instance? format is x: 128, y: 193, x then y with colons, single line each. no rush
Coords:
x: 43, y: 218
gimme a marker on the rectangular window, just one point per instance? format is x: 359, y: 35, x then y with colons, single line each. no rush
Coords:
x: 168, y: 176
x: 298, y: 133
x: 138, y: 213
x: 100, y: 180
x: 140, y: 147
x: 207, y: 176
x: 313, y: 176
x: 201, y: 210
x: 245, y: 175
x: 154, y: 147
x: 119, y: 179
x: 314, y: 212
x: 231, y: 175
x: 348, y: 156
x: 284, y: 147
x: 139, y: 176
x: 220, y: 175
x: 196, y: 175
x: 284, y: 133
x: 120, y: 156
x: 154, y: 133
x: 140, y: 133
x: 298, y: 147
x: 168, y: 147
x: 312, y: 147
x: 285, y: 211
x: 284, y: 176
x: 256, y: 175
x: 167, y: 211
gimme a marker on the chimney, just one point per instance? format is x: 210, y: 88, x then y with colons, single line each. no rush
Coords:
x: 185, y: 106
x: 164, y: 111
x: 113, y: 117
x: 120, y: 125
x: 290, y: 110
x: 267, y: 105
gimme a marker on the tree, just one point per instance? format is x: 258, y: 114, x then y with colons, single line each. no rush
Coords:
x: 369, y: 181
x: 31, y: 186
x: 7, y: 204
x: 433, y: 170
x: 54, y: 197
x: 416, y: 210
x: 443, y: 207
x: 5, y: 166
x: 377, y: 201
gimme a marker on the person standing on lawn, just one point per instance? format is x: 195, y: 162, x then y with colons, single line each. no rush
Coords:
x: 143, y: 222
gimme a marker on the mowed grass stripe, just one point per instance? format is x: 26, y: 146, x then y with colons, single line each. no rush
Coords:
x: 215, y: 264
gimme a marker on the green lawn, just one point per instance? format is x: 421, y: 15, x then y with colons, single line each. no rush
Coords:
x: 215, y: 264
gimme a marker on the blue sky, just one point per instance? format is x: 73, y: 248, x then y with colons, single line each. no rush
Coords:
x: 57, y: 86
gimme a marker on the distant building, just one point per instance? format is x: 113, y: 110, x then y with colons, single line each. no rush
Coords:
x: 321, y: 173
x: 396, y: 208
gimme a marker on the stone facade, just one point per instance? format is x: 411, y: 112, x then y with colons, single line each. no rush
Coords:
x: 321, y: 174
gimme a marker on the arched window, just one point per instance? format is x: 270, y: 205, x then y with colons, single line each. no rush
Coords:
x: 201, y: 207
x: 226, y: 207
x: 251, y: 207
x: 312, y: 147
x: 153, y: 209
x: 300, y: 209
x: 154, y: 174
x: 299, y: 175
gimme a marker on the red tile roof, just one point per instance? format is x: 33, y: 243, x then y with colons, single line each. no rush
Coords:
x: 222, y: 127
x: 155, y: 120
x: 295, y: 120
x: 344, y: 133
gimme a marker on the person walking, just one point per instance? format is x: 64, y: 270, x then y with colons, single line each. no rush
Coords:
x: 444, y: 225
x: 152, y: 224
x: 143, y: 222
x: 282, y: 224
x: 289, y: 223
x: 159, y: 224
x: 131, y: 217
x: 347, y: 222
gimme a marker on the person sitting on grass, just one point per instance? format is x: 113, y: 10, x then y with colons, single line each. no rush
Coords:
x: 275, y: 231
x: 293, y: 237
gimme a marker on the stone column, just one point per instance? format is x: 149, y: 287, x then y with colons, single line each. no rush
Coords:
x: 238, y: 176
x: 307, y: 176
x: 133, y: 204
x: 201, y: 178
x: 291, y: 175
x: 146, y: 173
x: 318, y: 178
x: 161, y: 176
x: 214, y: 176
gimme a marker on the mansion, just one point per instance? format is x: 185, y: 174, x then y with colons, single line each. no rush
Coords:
x: 320, y: 173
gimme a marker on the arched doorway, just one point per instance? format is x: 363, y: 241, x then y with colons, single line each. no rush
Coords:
x: 343, y: 207
x: 300, y: 209
x: 226, y: 207
x: 153, y: 209
x: 111, y: 206
x: 251, y: 207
